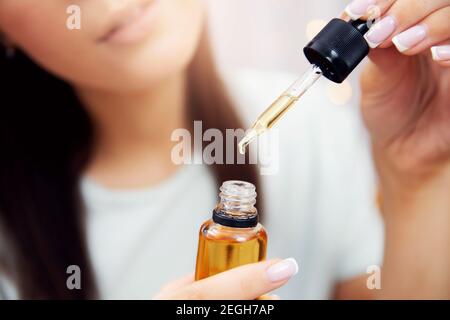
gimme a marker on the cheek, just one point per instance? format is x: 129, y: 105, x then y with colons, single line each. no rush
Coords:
x: 29, y: 26
x: 41, y: 32
x: 34, y: 26
x: 75, y: 55
x: 179, y: 31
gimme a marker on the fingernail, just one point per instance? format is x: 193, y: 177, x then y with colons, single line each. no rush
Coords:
x: 282, y: 270
x: 380, y: 31
x: 410, y: 37
x: 440, y: 53
x: 357, y: 8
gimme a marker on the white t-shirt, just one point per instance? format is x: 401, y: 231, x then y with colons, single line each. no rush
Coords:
x: 319, y: 206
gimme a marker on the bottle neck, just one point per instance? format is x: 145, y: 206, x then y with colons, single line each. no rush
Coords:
x: 237, y: 205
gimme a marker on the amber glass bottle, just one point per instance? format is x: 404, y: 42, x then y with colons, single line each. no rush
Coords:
x: 233, y: 237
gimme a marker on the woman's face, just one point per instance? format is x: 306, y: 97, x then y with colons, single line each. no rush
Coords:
x: 122, y: 44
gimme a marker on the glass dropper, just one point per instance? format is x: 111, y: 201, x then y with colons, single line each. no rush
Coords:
x: 334, y: 52
x: 280, y: 106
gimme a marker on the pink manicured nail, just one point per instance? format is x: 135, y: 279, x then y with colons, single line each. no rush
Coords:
x: 441, y: 53
x: 357, y: 8
x: 410, y: 37
x: 380, y: 31
x: 282, y: 270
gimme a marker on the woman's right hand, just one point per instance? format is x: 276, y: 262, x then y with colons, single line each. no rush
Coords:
x: 247, y: 282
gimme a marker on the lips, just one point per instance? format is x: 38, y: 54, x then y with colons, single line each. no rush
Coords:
x: 131, y: 24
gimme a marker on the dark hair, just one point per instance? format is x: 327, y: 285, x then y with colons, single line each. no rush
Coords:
x: 45, y: 141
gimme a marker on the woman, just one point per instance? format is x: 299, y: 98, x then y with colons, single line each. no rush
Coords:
x: 87, y: 179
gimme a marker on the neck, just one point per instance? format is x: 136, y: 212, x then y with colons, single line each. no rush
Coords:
x: 132, y: 132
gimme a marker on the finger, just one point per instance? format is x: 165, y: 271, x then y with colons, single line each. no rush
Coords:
x: 402, y: 15
x: 242, y: 283
x: 432, y: 30
x: 367, y: 8
x: 177, y: 284
x: 441, y: 53
x: 269, y: 297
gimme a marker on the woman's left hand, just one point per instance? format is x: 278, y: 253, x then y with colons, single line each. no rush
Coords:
x: 406, y: 85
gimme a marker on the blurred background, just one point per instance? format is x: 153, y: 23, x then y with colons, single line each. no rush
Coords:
x: 270, y: 35
x: 267, y: 34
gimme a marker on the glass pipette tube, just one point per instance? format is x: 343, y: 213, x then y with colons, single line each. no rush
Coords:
x: 280, y: 106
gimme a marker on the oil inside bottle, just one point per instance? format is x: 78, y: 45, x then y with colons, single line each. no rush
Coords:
x: 222, y: 248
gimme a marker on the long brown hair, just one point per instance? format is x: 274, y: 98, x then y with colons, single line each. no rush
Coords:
x: 46, y: 141
x: 210, y: 103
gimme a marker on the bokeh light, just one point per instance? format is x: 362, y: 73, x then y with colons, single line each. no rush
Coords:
x: 313, y: 28
x: 340, y: 94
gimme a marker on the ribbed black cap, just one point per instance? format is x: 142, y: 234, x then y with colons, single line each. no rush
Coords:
x: 338, y: 48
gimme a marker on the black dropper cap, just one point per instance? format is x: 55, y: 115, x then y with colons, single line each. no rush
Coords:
x: 338, y: 48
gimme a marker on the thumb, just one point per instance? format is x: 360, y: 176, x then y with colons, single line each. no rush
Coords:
x: 242, y: 283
